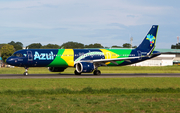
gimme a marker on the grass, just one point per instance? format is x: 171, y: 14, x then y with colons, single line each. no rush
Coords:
x: 116, y: 69
x: 95, y: 83
x: 89, y: 90
x: 90, y: 95
x: 86, y: 103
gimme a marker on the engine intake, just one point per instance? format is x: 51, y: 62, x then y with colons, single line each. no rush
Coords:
x: 84, y: 67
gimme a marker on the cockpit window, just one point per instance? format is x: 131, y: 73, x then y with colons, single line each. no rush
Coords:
x: 17, y: 55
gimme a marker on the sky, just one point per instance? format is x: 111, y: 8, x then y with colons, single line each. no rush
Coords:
x: 108, y: 22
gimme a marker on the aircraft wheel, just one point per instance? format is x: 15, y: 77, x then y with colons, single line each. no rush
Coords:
x: 26, y: 73
x: 97, y: 72
x: 77, y: 73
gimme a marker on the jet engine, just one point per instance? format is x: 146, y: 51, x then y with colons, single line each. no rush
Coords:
x: 84, y: 67
x: 57, y: 69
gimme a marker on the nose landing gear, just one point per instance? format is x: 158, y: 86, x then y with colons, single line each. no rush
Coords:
x: 26, y: 71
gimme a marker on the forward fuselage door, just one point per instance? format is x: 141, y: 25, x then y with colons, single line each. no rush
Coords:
x: 30, y: 56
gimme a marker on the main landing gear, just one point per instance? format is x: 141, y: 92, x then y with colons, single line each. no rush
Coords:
x: 96, y: 72
x: 26, y: 71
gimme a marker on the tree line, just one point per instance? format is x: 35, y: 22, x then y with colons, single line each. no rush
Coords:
x: 8, y: 49
x: 176, y: 46
x: 74, y: 45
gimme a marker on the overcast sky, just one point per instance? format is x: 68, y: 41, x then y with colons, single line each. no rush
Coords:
x: 108, y: 22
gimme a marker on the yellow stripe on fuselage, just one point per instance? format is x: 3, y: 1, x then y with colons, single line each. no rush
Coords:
x: 109, y: 55
x: 68, y: 56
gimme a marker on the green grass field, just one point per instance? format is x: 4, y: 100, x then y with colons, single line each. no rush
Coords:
x: 116, y: 69
x: 90, y: 95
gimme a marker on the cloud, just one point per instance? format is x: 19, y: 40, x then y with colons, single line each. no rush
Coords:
x: 79, y: 20
x: 44, y: 13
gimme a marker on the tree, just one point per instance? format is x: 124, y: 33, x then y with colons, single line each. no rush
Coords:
x: 17, y: 45
x: 1, y: 45
x: 126, y: 45
x: 72, y: 45
x: 96, y: 45
x: 115, y: 46
x: 6, y: 51
x: 177, y: 46
x: 51, y: 46
x: 134, y: 47
x: 34, y: 46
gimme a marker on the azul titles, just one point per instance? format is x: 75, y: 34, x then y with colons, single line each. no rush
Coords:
x: 44, y: 56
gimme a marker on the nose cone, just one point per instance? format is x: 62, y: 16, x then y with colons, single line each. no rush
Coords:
x: 9, y: 61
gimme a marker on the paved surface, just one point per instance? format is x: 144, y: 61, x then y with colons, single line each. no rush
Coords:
x: 16, y: 76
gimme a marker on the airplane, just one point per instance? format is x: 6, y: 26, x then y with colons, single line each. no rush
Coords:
x: 85, y: 60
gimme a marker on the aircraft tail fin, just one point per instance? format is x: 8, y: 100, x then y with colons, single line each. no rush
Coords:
x: 148, y: 44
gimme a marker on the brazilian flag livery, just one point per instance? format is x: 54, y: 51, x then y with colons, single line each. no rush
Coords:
x: 68, y: 57
x: 86, y: 60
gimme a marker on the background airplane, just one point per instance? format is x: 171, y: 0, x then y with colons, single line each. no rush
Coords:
x: 85, y: 60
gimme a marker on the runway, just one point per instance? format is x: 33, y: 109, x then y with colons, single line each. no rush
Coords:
x: 17, y: 76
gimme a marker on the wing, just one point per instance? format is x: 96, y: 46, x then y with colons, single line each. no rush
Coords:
x: 128, y: 59
x: 103, y: 61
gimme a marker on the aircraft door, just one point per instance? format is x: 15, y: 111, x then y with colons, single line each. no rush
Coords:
x: 30, y: 56
x: 139, y: 54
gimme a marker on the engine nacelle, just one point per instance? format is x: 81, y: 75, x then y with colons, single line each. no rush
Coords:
x: 84, y: 67
x: 57, y: 69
